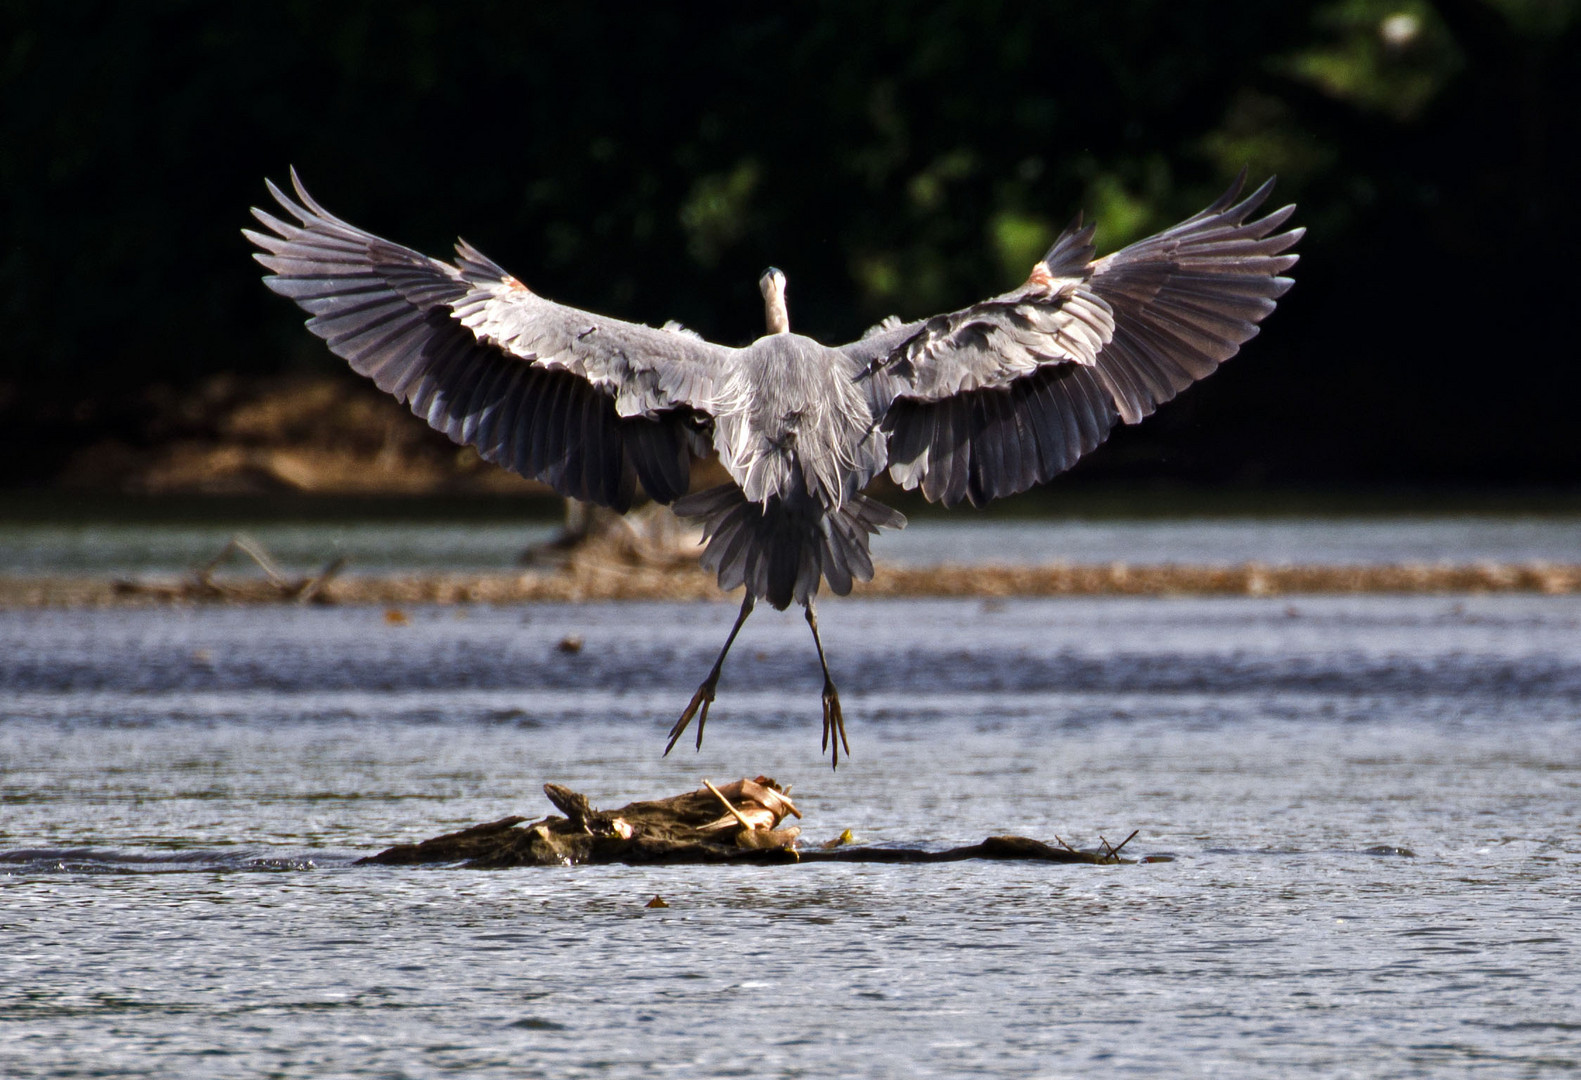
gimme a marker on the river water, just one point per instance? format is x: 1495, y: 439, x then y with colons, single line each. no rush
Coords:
x: 1371, y: 805
x: 42, y: 547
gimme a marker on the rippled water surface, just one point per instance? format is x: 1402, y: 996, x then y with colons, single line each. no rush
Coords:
x: 1372, y: 803
x: 372, y: 547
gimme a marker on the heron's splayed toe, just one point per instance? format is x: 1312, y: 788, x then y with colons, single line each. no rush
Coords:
x: 704, y: 698
x: 833, y: 723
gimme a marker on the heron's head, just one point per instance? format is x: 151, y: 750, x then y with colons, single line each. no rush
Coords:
x: 772, y: 285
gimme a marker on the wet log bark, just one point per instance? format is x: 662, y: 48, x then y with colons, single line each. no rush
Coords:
x: 735, y: 823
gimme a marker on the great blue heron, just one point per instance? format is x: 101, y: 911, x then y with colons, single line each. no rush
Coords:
x: 973, y: 404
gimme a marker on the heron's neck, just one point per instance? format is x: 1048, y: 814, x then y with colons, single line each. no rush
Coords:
x: 775, y: 312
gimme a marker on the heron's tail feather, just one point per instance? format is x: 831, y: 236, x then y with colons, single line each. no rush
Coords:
x: 780, y: 549
x: 843, y: 547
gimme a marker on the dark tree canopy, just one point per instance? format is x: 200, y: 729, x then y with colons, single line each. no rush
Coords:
x: 649, y: 161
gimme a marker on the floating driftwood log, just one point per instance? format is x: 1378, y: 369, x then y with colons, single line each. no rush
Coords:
x: 734, y: 823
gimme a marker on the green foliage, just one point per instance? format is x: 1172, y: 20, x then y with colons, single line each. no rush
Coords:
x: 1262, y: 127
x: 1019, y: 240
x: 890, y: 157
x: 716, y: 214
x: 1388, y: 56
x: 1539, y: 19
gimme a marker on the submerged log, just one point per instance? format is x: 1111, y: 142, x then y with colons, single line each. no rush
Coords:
x: 736, y: 823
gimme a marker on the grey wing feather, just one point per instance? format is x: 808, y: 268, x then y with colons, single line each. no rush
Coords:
x: 646, y: 369
x: 589, y: 421
x: 955, y: 449
x: 992, y: 399
x: 1187, y: 299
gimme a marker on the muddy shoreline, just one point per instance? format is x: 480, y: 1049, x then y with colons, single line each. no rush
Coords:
x: 587, y: 581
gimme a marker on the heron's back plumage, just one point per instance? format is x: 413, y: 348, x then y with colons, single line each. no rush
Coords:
x: 799, y: 440
x: 790, y: 414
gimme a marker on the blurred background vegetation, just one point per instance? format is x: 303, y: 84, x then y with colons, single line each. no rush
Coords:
x: 649, y: 160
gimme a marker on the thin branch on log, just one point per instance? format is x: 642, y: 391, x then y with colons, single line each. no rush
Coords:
x: 1126, y: 841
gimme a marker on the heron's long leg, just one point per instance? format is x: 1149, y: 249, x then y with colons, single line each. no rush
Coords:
x: 833, y: 718
x: 705, y: 693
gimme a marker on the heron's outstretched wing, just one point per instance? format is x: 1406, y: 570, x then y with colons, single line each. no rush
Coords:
x: 587, y: 404
x: 1005, y: 394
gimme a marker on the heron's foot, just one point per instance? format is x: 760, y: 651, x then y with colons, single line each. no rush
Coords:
x: 703, y: 698
x: 833, y: 723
